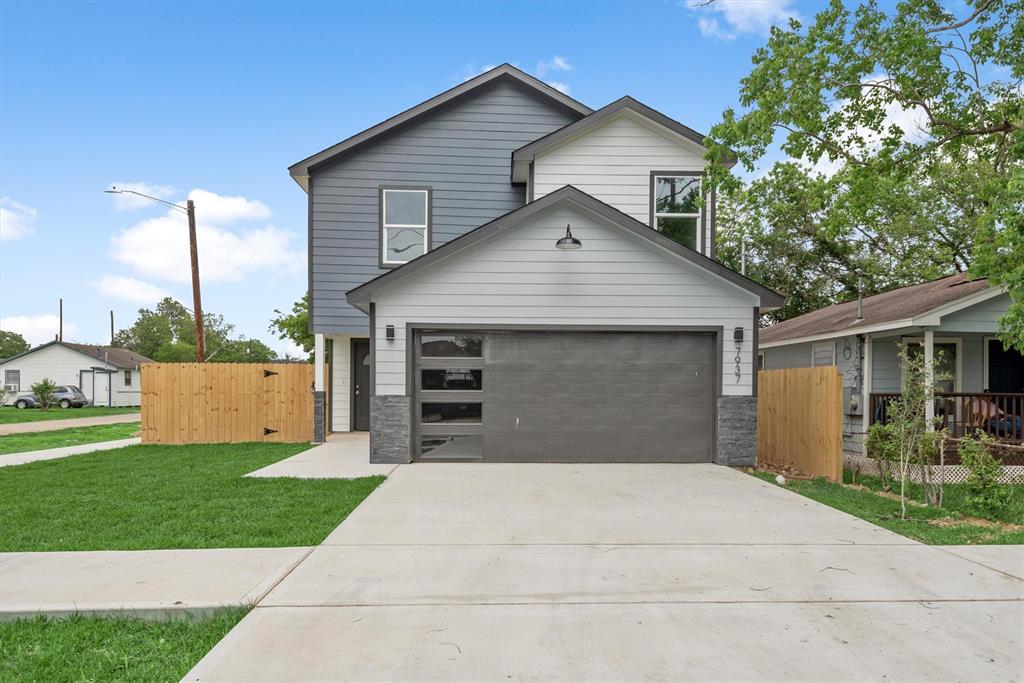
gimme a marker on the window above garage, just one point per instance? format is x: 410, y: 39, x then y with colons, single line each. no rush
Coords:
x: 404, y: 224
x: 677, y: 206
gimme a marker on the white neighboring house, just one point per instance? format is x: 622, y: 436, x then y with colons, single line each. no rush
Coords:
x: 108, y: 376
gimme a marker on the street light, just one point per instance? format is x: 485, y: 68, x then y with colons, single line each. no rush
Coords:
x: 189, y: 210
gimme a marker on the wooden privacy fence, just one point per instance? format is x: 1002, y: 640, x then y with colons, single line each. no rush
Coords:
x: 226, y: 402
x: 799, y: 420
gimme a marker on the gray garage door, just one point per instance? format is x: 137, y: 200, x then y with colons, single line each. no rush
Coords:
x: 564, y: 396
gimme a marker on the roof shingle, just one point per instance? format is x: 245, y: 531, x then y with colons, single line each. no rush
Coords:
x: 891, y: 306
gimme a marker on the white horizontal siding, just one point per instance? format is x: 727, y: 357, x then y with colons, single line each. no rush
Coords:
x: 341, y: 385
x: 519, y: 278
x: 614, y: 162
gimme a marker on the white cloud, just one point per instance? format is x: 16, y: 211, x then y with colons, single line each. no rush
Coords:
x: 129, y: 289
x: 544, y: 67
x: 286, y: 347
x: 863, y: 141
x: 556, y: 63
x: 754, y: 17
x: 710, y: 27
x: 37, y: 329
x: 16, y: 219
x: 158, y: 247
x: 129, y: 202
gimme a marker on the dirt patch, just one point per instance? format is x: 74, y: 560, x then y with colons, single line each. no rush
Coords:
x: 975, y: 521
x: 884, y: 494
x: 784, y: 470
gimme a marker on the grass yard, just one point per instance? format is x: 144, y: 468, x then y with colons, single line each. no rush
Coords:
x: 151, y: 497
x: 952, y: 524
x: 79, y: 648
x: 11, y: 415
x: 73, y: 436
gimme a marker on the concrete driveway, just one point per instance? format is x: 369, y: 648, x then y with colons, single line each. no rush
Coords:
x: 622, y: 572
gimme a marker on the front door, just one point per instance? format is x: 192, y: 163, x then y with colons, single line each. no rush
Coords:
x: 361, y: 385
x: 1005, y: 368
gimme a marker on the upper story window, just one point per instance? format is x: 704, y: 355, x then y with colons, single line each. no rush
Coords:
x: 405, y: 224
x: 676, y: 207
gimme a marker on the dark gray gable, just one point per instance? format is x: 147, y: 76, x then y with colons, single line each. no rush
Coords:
x: 361, y: 296
x: 506, y: 72
x: 526, y: 154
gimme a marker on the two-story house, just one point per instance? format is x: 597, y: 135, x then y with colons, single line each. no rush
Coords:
x: 503, y: 274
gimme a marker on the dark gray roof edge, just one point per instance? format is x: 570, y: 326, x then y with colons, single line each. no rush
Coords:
x: 67, y: 346
x: 529, y: 151
x: 362, y: 293
x: 302, y: 168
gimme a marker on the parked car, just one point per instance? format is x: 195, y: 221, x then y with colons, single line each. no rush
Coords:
x: 63, y: 396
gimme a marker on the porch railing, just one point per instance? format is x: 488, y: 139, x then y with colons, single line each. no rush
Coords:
x: 960, y: 413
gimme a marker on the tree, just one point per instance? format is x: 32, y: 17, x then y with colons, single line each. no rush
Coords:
x: 168, y: 334
x: 43, y: 390
x: 243, y: 351
x: 11, y: 344
x: 171, y: 323
x: 294, y: 326
x: 898, y: 101
x: 805, y: 240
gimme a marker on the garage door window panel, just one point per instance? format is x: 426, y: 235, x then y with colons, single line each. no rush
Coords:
x: 451, y: 379
x: 452, y: 346
x: 451, y: 413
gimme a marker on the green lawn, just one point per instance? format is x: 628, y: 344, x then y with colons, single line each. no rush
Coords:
x: 80, y: 648
x: 952, y: 524
x: 73, y: 436
x: 150, y: 497
x: 11, y: 415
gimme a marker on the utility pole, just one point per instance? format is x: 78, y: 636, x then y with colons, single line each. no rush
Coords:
x: 197, y: 304
x: 60, y: 327
x: 189, y: 210
x: 111, y: 327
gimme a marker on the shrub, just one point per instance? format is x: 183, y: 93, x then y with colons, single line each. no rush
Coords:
x: 985, y: 494
x: 43, y: 391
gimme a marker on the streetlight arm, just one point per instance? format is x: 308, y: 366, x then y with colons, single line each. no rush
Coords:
x: 179, y: 207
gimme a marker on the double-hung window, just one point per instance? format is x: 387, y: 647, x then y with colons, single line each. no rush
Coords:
x: 405, y: 224
x: 677, y: 207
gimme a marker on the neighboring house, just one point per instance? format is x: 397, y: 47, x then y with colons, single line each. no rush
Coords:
x: 952, y: 320
x: 108, y: 376
x: 458, y: 330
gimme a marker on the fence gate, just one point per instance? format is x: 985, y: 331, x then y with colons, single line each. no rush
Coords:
x: 226, y: 402
x: 799, y: 420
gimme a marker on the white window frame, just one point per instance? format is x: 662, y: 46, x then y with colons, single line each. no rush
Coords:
x: 818, y: 345
x: 957, y: 341
x: 698, y: 238
x: 18, y: 372
x: 760, y: 360
x: 385, y: 226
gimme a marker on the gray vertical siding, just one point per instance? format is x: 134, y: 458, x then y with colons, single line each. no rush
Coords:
x: 463, y: 153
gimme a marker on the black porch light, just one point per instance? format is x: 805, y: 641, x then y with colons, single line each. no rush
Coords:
x: 568, y: 242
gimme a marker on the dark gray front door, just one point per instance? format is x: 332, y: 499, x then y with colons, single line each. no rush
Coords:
x: 583, y: 397
x: 361, y: 384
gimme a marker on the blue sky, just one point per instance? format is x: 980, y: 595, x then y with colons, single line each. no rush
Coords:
x: 218, y: 99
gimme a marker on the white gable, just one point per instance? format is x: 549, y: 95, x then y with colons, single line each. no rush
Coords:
x: 613, y: 162
x: 517, y: 277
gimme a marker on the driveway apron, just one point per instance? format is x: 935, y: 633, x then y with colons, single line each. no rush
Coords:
x: 621, y: 572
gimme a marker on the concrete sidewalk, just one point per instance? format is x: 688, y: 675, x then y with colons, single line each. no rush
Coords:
x: 152, y: 583
x: 53, y: 425
x: 344, y: 456
x: 476, y: 572
x: 10, y: 459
